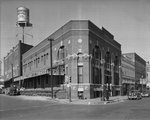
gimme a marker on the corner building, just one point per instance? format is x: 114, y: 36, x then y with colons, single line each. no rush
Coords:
x: 81, y: 51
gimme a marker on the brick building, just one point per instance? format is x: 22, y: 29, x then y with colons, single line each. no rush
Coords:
x: 140, y: 69
x: 128, y: 74
x: 81, y: 51
x: 13, y: 63
x: 148, y: 75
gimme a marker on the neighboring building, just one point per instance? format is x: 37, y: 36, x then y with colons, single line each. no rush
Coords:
x: 13, y: 63
x: 0, y: 68
x: 148, y: 75
x: 140, y: 70
x: 128, y: 74
x: 1, y: 75
x: 88, y: 54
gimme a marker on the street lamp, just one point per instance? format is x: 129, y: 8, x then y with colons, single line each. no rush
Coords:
x: 12, y: 74
x: 51, y: 64
x: 103, y: 89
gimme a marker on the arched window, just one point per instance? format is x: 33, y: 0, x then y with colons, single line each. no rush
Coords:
x: 116, y: 70
x: 107, y: 68
x: 107, y: 60
x: 96, y: 65
x: 116, y: 61
x: 62, y: 52
x: 80, y: 68
x: 61, y: 55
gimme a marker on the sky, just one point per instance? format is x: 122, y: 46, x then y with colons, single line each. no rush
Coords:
x: 127, y: 20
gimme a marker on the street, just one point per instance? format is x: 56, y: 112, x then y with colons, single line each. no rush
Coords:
x: 12, y: 108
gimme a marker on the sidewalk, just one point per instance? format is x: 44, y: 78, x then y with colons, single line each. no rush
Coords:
x: 95, y: 101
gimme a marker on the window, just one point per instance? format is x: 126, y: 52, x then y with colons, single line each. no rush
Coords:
x: 46, y: 81
x: 38, y: 59
x: 34, y: 62
x: 66, y: 71
x: 41, y: 58
x: 47, y: 56
x: 61, y: 52
x: 44, y: 59
x: 39, y: 82
x: 31, y: 83
x: 107, y: 61
x: 80, y: 74
x: 96, y: 70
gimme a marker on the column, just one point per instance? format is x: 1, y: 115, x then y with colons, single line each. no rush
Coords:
x: 112, y: 80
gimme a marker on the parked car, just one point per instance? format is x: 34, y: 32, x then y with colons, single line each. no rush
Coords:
x: 14, y: 91
x: 134, y: 94
x: 145, y: 94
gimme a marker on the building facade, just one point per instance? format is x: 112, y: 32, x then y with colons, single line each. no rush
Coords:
x: 128, y: 74
x: 83, y: 55
x: 148, y: 75
x: 13, y: 63
x: 1, y: 69
x: 140, y: 70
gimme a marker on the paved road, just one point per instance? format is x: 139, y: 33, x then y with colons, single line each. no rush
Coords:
x: 12, y: 108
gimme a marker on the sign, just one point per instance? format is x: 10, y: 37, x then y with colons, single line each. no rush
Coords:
x: 128, y: 81
x: 97, y: 89
x: 80, y: 89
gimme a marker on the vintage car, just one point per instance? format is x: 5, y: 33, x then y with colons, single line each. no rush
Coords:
x: 145, y: 94
x: 134, y: 95
x: 14, y: 91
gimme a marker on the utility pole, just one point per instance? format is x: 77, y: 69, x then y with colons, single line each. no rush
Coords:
x: 51, y: 64
x: 23, y: 34
x: 142, y: 83
x: 70, y: 89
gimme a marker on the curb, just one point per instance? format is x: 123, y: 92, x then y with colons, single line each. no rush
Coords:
x: 84, y: 102
x: 90, y: 103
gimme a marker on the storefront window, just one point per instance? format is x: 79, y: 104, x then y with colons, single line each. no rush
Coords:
x: 46, y: 81
x: 39, y: 82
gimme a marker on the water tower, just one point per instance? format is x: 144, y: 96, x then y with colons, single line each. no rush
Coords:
x: 23, y: 19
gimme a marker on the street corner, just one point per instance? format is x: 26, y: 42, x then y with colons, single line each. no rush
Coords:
x: 63, y: 101
x: 86, y: 102
x: 113, y: 101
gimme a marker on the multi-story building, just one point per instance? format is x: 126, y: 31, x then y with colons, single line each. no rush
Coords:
x: 128, y: 74
x: 140, y: 70
x: 1, y: 74
x: 148, y: 75
x: 13, y: 63
x: 0, y: 69
x: 81, y: 51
